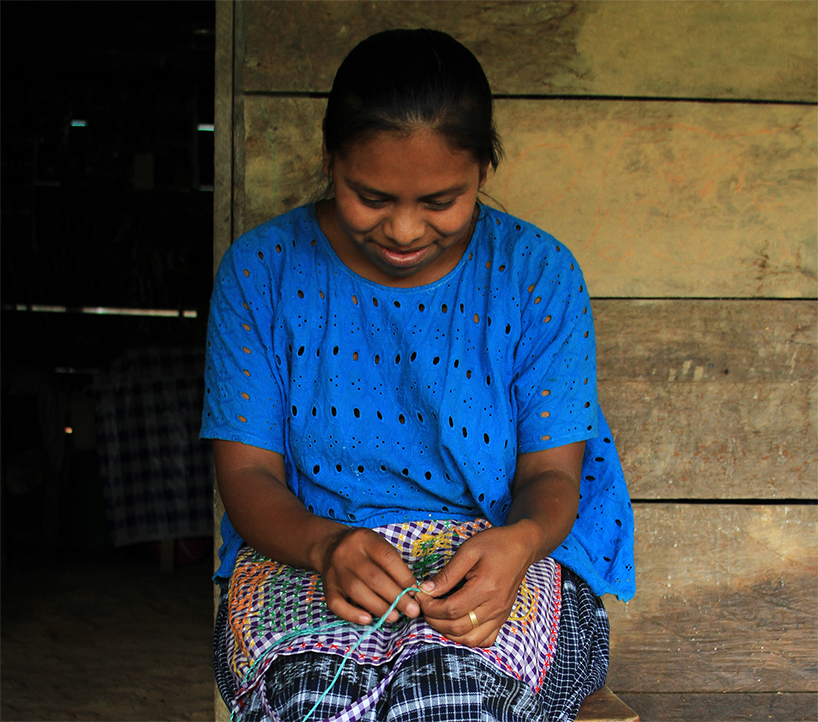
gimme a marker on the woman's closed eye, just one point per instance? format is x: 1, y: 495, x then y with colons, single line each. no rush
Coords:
x: 372, y: 202
x: 432, y: 205
x: 439, y: 205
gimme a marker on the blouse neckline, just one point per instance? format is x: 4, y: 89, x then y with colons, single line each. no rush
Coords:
x: 444, y: 280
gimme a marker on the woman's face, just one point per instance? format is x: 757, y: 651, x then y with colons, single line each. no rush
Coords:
x: 405, y: 206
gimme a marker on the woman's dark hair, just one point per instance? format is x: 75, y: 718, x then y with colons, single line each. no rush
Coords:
x: 405, y: 80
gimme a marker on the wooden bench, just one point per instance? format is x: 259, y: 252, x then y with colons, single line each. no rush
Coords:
x: 672, y: 148
x: 604, y: 706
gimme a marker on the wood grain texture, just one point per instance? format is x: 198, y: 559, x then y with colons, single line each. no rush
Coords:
x: 689, y: 341
x: 735, y: 50
x: 239, y: 208
x: 655, y: 199
x: 669, y: 199
x: 220, y: 711
x: 728, y: 707
x: 604, y: 706
x: 709, y: 441
x: 711, y: 399
x: 726, y: 601
x: 223, y: 137
x: 282, y: 144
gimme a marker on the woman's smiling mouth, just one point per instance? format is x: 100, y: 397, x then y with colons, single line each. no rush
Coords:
x: 398, y: 258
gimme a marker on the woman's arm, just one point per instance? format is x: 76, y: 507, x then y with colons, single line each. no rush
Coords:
x: 362, y: 573
x: 545, y: 499
x: 545, y: 496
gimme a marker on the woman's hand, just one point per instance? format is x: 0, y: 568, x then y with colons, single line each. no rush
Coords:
x: 545, y: 497
x: 493, y: 564
x: 363, y: 574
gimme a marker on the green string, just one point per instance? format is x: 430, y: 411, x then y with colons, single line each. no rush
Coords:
x: 421, y: 563
x: 286, y: 638
x: 373, y: 628
x: 319, y: 630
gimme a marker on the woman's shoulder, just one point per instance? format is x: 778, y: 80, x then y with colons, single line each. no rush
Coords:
x: 288, y: 230
x: 524, y: 248
x: 273, y: 246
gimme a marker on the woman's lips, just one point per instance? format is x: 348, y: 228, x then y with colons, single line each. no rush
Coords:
x: 400, y: 258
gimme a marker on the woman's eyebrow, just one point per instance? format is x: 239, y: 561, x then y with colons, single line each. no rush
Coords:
x: 363, y: 188
x: 453, y: 190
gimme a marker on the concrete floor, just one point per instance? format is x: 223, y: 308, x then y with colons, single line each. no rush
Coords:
x: 105, y: 638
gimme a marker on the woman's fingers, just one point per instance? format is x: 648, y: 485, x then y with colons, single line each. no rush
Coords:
x: 387, y: 577
x: 475, y: 563
x: 375, y: 595
x: 339, y: 606
x: 385, y: 556
x: 464, y: 631
x: 451, y: 616
x: 453, y: 573
x: 364, y: 575
x: 492, y: 564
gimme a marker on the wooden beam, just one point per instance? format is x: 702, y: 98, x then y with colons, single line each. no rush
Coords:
x: 240, y: 23
x: 711, y: 399
x: 655, y: 199
x: 223, y: 140
x: 669, y: 199
x: 690, y: 341
x: 729, y: 50
x: 726, y: 601
x: 223, y: 188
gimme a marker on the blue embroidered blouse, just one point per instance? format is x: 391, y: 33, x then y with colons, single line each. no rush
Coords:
x: 393, y: 404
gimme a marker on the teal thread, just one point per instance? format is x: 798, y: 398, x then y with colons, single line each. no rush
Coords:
x: 423, y: 566
x: 286, y: 638
x: 319, y: 630
x: 372, y: 628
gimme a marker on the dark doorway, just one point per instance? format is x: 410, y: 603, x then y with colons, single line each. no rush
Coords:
x: 106, y: 250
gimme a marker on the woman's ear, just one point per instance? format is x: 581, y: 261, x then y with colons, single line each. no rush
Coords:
x: 484, y: 173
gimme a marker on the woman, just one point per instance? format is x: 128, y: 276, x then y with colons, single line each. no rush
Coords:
x: 401, y: 389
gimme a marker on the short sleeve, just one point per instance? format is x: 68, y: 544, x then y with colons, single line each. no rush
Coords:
x: 555, y: 363
x: 244, y: 395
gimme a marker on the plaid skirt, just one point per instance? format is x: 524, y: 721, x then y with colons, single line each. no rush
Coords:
x: 431, y: 682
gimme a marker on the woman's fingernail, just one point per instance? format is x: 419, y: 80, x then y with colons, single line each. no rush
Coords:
x: 428, y: 586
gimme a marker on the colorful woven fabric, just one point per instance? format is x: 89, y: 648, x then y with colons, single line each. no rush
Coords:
x: 278, y: 610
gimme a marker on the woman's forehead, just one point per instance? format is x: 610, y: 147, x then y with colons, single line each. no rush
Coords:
x: 390, y: 157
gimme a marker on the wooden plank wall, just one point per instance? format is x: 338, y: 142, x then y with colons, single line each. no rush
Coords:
x: 672, y: 147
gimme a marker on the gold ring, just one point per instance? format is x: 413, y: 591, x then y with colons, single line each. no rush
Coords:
x: 474, y: 622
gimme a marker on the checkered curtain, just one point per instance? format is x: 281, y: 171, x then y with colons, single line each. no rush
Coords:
x: 156, y: 473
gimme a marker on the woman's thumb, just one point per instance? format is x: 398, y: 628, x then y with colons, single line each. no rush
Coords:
x: 448, y: 577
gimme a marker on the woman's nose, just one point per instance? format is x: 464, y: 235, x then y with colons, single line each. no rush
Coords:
x: 404, y: 226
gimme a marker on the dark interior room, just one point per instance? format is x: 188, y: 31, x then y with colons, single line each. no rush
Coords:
x: 107, y: 207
